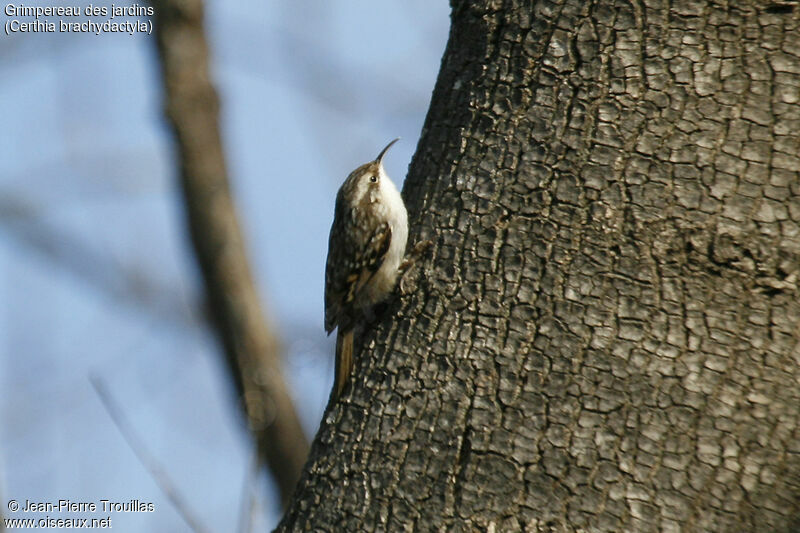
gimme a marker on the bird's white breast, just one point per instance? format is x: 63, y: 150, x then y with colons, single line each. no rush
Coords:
x: 391, y: 209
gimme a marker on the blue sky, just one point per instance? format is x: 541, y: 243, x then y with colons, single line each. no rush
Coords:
x: 96, y: 274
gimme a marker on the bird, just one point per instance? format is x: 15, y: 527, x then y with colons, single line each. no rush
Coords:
x: 366, y: 247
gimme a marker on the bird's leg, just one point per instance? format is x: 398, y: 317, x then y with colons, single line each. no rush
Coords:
x: 408, y: 263
x: 412, y: 256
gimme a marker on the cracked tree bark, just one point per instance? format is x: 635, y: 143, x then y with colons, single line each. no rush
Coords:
x: 605, y: 336
x: 251, y: 346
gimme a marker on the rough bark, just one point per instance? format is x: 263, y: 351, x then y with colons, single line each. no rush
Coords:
x: 251, y: 347
x: 605, y: 337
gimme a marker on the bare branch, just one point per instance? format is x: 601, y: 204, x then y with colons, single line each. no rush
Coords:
x: 21, y: 221
x: 251, y: 347
x: 147, y: 459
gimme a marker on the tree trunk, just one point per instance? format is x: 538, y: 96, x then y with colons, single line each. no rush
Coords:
x: 605, y: 335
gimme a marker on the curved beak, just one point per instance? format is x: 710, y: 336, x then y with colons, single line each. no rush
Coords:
x: 379, y: 159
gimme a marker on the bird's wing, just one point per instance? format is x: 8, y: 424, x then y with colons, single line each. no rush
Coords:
x: 354, y: 255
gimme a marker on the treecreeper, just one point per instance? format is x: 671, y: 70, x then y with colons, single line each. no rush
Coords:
x: 366, y: 250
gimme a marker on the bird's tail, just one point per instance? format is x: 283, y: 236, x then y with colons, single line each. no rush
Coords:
x: 344, y: 361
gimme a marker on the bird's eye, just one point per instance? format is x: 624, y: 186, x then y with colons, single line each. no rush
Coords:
x: 373, y: 179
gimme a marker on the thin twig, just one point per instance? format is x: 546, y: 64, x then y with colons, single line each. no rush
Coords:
x: 248, y: 494
x: 147, y: 459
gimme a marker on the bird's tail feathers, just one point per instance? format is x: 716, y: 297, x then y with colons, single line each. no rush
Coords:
x: 344, y: 361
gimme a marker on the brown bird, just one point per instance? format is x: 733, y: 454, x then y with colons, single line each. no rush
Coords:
x: 366, y: 246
